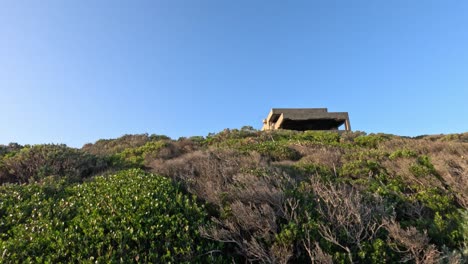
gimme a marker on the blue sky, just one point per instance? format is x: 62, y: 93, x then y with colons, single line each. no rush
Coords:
x: 77, y: 71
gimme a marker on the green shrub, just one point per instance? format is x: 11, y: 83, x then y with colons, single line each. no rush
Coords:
x: 197, y: 139
x: 10, y: 149
x: 423, y: 167
x: 275, y: 150
x: 455, y: 137
x: 366, y: 154
x: 359, y: 168
x: 128, y: 217
x: 136, y: 156
x: 278, y: 135
x: 105, y: 147
x: 326, y: 137
x: 34, y: 163
x: 419, y: 171
x: 319, y: 170
x: 377, y: 251
x: 349, y: 136
x: 370, y: 141
x: 231, y: 134
x: 402, y: 153
x: 464, y: 230
x: 443, y: 220
x: 269, y: 211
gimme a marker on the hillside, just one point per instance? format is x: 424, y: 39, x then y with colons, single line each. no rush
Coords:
x: 238, y: 196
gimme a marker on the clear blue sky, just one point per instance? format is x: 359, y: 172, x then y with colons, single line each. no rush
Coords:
x: 77, y: 71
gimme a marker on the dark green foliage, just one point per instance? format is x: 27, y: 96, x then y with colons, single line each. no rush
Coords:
x: 441, y: 217
x: 128, y: 217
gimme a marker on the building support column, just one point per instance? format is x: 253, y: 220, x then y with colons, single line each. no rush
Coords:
x: 347, y: 125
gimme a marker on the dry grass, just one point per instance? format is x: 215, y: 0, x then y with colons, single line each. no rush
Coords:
x: 249, y: 192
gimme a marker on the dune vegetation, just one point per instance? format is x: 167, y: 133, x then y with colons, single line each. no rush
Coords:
x: 240, y: 196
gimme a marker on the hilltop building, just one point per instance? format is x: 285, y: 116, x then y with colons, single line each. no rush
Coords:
x: 302, y: 119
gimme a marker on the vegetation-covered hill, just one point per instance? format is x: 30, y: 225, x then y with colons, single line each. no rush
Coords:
x: 239, y: 195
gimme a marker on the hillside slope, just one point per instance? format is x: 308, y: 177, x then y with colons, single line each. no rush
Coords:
x: 268, y: 197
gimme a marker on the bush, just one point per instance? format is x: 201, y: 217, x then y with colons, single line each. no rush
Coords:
x: 326, y: 137
x: 275, y: 150
x: 34, y: 163
x: 317, y: 170
x: 423, y: 167
x: 359, y: 169
x: 10, y: 149
x: 136, y: 156
x: 273, y: 197
x: 107, y: 147
x: 402, y: 153
x: 128, y: 217
x: 370, y: 141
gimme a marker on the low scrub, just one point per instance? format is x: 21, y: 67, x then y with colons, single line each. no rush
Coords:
x: 128, y: 217
x: 261, y: 197
x: 34, y: 163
